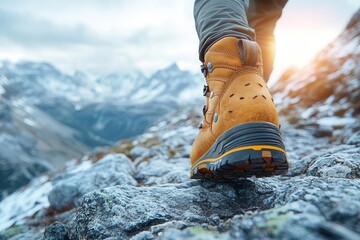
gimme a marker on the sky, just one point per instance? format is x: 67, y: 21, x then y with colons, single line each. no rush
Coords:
x: 103, y: 36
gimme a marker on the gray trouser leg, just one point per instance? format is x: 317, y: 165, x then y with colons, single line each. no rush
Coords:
x: 216, y: 19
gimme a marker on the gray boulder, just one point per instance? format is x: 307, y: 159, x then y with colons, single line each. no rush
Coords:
x: 342, y: 164
x: 157, y: 171
x: 124, y: 211
x: 68, y: 188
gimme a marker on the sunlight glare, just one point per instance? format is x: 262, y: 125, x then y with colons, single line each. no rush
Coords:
x: 296, y: 47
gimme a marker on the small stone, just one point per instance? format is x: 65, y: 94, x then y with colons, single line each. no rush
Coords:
x: 56, y: 231
x: 214, y: 220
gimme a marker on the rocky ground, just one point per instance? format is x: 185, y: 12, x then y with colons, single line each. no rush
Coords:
x: 140, y: 189
x: 319, y: 198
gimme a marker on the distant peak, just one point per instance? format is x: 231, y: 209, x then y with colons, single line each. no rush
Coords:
x: 174, y: 67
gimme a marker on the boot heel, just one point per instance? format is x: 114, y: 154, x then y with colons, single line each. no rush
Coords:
x: 250, y: 149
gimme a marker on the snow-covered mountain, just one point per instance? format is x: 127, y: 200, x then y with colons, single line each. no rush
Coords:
x: 31, y: 142
x: 103, y: 109
x: 40, y: 81
x: 48, y: 117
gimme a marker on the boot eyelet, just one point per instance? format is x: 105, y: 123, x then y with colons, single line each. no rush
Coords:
x: 200, y: 126
x: 209, y: 67
x: 216, y: 117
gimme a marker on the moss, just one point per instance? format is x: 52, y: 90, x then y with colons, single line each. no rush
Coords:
x: 96, y: 157
x: 206, y: 234
x: 151, y: 142
x: 200, y: 233
x: 124, y: 147
x: 172, y: 152
x: 293, y: 119
x: 11, y: 232
x: 276, y: 220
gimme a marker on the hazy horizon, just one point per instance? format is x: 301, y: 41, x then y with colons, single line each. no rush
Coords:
x: 119, y: 36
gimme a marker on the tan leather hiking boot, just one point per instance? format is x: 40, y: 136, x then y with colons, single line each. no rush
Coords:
x: 240, y: 134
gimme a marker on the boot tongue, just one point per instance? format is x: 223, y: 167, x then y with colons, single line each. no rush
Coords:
x: 250, y: 52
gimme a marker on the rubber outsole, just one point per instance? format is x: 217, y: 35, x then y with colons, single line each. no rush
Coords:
x: 243, y: 164
x: 244, y: 159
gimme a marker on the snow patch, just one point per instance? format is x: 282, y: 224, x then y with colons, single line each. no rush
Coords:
x: 24, y: 202
x: 335, y: 121
x: 30, y: 123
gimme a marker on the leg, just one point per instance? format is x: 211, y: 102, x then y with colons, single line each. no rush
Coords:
x: 262, y: 16
x: 239, y: 135
x: 218, y: 19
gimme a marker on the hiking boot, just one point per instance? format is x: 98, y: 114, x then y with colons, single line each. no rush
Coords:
x: 240, y: 135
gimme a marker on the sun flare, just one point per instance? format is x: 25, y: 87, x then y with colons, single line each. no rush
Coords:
x: 297, y: 46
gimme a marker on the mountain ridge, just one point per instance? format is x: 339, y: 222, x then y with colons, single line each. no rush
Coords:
x: 60, y: 117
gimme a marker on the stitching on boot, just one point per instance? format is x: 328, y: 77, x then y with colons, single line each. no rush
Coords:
x: 217, y: 80
x: 224, y: 51
x: 231, y: 67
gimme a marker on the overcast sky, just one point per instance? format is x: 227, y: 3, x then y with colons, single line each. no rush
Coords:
x: 120, y: 36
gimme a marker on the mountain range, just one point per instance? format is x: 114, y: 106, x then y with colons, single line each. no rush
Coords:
x: 48, y: 117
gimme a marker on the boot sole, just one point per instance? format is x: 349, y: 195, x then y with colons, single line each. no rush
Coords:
x: 250, y: 149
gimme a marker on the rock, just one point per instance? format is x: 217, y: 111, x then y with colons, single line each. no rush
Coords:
x: 138, y: 151
x: 145, y: 235
x: 354, y: 139
x: 342, y: 164
x: 214, y: 220
x: 123, y: 211
x: 157, y: 171
x: 134, y: 209
x: 111, y: 170
x: 297, y: 220
x: 56, y: 231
